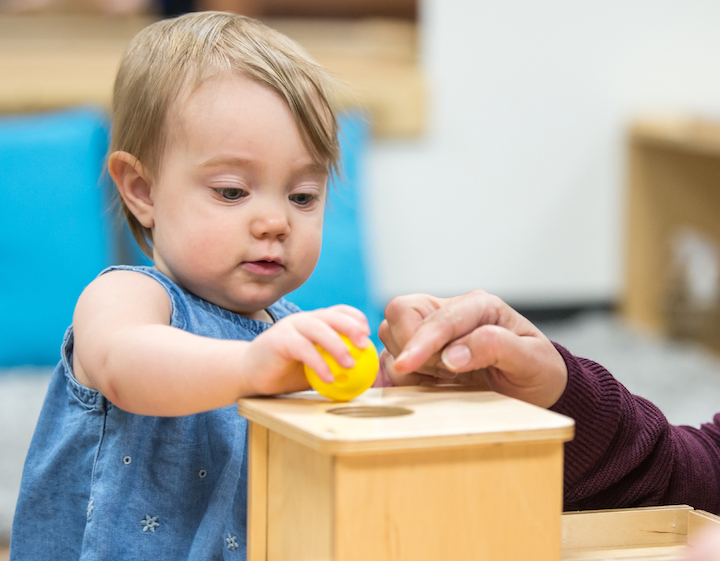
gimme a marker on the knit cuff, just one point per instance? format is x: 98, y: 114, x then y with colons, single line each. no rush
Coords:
x: 593, y: 399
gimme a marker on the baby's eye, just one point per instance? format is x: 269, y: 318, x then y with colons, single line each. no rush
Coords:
x: 231, y: 193
x: 303, y: 199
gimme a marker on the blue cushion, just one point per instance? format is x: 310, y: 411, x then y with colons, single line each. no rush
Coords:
x: 53, y: 227
x: 57, y: 229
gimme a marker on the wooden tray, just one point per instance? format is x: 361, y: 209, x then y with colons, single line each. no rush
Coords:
x: 639, y: 534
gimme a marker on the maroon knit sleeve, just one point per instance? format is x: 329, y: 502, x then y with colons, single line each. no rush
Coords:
x: 625, y: 453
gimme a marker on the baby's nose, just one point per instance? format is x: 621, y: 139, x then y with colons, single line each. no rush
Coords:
x: 271, y: 222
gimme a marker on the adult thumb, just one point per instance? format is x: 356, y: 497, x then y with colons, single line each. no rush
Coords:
x: 488, y: 345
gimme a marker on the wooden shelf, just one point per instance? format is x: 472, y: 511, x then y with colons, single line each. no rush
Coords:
x: 673, y: 190
x: 53, y: 61
x: 682, y: 134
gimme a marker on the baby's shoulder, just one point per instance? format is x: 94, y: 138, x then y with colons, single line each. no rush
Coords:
x: 124, y: 292
x: 133, y: 282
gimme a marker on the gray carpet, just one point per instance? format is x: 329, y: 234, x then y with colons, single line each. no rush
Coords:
x: 682, y: 378
x: 22, y: 391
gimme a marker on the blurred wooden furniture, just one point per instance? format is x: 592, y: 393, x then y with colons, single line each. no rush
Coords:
x: 406, y: 9
x: 53, y: 61
x: 463, y: 475
x: 674, y: 186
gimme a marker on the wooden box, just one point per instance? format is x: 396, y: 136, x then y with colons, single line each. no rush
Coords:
x: 404, y: 474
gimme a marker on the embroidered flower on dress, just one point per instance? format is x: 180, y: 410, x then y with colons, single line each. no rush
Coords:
x: 150, y: 523
x: 232, y: 543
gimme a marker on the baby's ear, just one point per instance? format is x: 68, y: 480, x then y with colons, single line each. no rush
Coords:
x: 133, y: 184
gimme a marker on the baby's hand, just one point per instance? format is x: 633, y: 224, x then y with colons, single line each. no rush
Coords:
x: 276, y: 357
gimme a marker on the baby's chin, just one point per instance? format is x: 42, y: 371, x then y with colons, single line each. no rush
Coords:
x: 251, y: 310
x: 259, y: 315
x: 250, y: 300
x: 255, y: 309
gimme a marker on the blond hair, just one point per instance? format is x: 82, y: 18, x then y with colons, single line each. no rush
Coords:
x: 177, y: 55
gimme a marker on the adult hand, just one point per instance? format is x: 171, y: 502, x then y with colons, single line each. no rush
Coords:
x: 475, y: 339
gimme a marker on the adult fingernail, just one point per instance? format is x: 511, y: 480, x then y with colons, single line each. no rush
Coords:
x: 446, y: 374
x: 402, y: 356
x: 456, y: 357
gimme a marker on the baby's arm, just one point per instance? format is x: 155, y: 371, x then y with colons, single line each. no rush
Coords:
x: 126, y: 349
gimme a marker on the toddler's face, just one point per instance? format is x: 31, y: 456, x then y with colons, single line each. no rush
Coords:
x: 238, y: 201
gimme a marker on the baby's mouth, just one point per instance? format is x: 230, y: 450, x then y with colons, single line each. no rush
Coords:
x: 264, y: 267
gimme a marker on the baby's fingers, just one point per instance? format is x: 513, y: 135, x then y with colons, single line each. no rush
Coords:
x: 352, y: 312
x: 319, y: 333
x: 347, y: 321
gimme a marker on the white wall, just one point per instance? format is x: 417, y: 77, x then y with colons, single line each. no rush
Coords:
x: 517, y: 186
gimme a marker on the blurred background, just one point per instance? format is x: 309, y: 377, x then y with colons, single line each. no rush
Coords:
x: 562, y: 155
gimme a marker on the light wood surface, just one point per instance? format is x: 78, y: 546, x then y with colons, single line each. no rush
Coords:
x: 660, y: 553
x: 53, y: 61
x: 497, y: 501
x: 465, y: 475
x: 673, y: 186
x: 257, y: 492
x: 441, y: 417
x: 300, y: 502
x: 618, y: 528
x: 647, y: 534
x: 698, y: 520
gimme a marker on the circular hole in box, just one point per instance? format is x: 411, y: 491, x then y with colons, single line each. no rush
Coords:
x: 369, y: 411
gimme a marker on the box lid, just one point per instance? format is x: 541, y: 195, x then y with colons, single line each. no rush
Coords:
x: 434, y: 417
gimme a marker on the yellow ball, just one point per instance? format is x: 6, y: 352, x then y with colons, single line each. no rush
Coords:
x: 349, y: 382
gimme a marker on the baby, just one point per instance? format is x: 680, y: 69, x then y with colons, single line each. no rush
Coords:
x: 223, y: 141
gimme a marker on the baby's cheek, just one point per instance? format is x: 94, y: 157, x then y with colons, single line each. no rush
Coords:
x: 309, y: 260
x: 313, y: 245
x: 202, y: 254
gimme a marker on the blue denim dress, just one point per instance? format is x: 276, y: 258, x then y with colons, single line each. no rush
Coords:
x: 100, y: 483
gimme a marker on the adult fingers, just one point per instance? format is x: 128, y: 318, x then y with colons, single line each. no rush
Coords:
x: 433, y: 366
x: 522, y: 366
x: 404, y: 315
x: 489, y: 345
x: 386, y: 336
x: 455, y: 318
x: 408, y: 379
